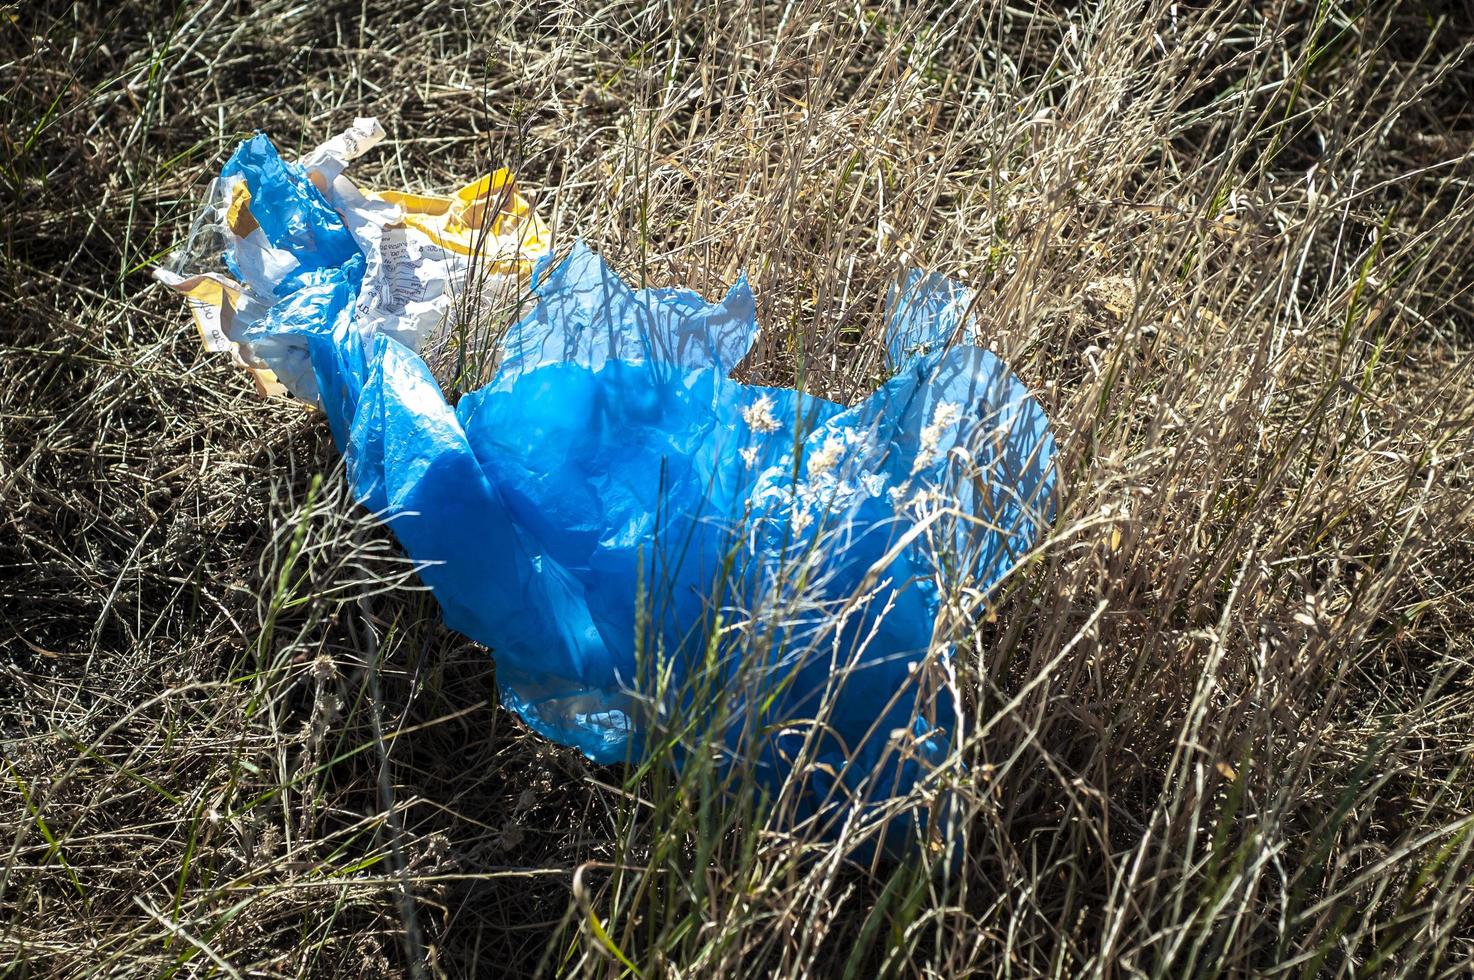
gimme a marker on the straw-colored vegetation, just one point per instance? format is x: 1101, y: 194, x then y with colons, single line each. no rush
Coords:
x: 1222, y: 724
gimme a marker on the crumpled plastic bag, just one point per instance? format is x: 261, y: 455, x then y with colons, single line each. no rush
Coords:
x: 625, y: 526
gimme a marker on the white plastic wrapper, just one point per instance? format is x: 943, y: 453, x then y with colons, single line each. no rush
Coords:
x: 428, y: 261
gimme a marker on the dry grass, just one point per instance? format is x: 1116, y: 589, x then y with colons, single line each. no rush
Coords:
x: 1223, y: 720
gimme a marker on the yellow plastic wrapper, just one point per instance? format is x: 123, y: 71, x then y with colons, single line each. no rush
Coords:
x: 428, y: 260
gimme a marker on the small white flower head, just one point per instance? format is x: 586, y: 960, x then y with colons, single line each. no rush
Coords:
x: 759, y: 415
x: 749, y: 456
x: 801, y: 519
x: 826, y: 457
x: 947, y: 415
x: 924, y: 502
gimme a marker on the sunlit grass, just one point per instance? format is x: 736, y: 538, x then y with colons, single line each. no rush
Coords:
x: 1217, y: 722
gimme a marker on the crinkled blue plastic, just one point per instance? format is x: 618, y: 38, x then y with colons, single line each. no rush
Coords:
x: 613, y: 500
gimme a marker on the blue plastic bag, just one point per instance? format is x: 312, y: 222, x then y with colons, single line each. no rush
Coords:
x: 625, y: 527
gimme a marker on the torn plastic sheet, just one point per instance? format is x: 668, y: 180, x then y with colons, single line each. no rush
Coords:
x: 620, y: 522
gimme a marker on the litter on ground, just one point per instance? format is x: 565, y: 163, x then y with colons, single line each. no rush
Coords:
x: 632, y: 533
